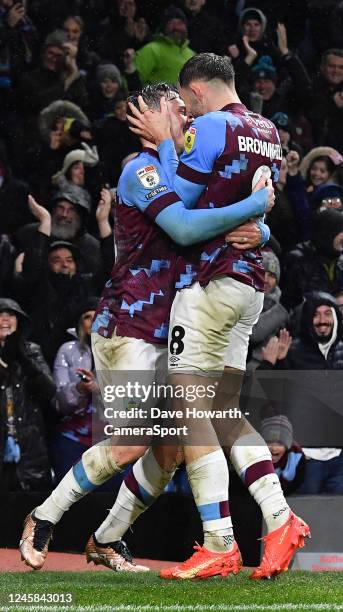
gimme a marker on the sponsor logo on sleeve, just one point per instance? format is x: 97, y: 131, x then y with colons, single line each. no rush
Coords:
x: 189, y: 139
x: 148, y: 176
x: 156, y: 192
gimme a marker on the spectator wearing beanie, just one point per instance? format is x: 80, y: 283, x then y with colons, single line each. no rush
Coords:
x: 273, y: 316
x: 327, y: 196
x: 316, y: 264
x: 285, y: 130
x: 79, y: 173
x: 163, y: 58
x: 109, y: 83
x: 287, y: 456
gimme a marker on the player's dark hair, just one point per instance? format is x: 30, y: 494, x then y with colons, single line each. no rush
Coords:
x: 205, y: 67
x: 152, y: 95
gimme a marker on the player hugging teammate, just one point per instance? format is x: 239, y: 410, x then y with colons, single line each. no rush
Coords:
x: 194, y: 202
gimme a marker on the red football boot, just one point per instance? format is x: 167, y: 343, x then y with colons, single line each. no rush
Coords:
x: 280, y: 547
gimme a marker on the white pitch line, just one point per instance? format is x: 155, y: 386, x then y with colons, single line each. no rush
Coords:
x: 176, y: 608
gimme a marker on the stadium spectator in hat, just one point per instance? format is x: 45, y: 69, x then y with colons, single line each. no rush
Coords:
x: 109, y: 83
x: 69, y: 218
x: 287, y: 456
x: 74, y: 379
x: 327, y: 196
x: 163, y: 58
x: 322, y: 165
x: 273, y: 316
x: 285, y: 129
x: 62, y: 127
x: 26, y: 387
x: 80, y: 172
x: 316, y: 264
x: 253, y: 27
x: 206, y: 31
x: 324, y: 104
x: 56, y: 78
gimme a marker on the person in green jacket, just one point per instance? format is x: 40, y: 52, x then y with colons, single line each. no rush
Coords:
x: 163, y: 58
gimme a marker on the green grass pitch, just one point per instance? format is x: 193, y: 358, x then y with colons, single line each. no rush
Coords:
x: 109, y: 591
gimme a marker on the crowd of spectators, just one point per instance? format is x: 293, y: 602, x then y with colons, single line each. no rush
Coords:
x: 65, y: 71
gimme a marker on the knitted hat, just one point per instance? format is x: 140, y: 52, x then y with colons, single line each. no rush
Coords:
x: 173, y: 12
x: 271, y: 264
x: 265, y: 69
x: 57, y: 38
x: 281, y: 121
x: 325, y: 191
x: 89, y: 156
x: 334, y: 155
x: 108, y: 71
x: 278, y: 429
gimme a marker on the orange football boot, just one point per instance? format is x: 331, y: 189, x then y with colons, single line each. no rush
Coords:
x: 205, y: 563
x: 280, y: 547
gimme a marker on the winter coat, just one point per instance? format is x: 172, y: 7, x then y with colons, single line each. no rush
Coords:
x: 162, y: 60
x: 304, y: 353
x: 32, y: 385
x: 75, y: 408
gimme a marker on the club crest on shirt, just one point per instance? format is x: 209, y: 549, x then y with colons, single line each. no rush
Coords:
x: 189, y: 139
x: 148, y: 176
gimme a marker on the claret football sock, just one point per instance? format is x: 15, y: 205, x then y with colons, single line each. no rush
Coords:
x: 141, y: 486
x: 209, y: 479
x: 252, y: 461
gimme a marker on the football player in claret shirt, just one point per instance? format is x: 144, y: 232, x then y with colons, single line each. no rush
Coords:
x: 218, y: 303
x: 130, y: 333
